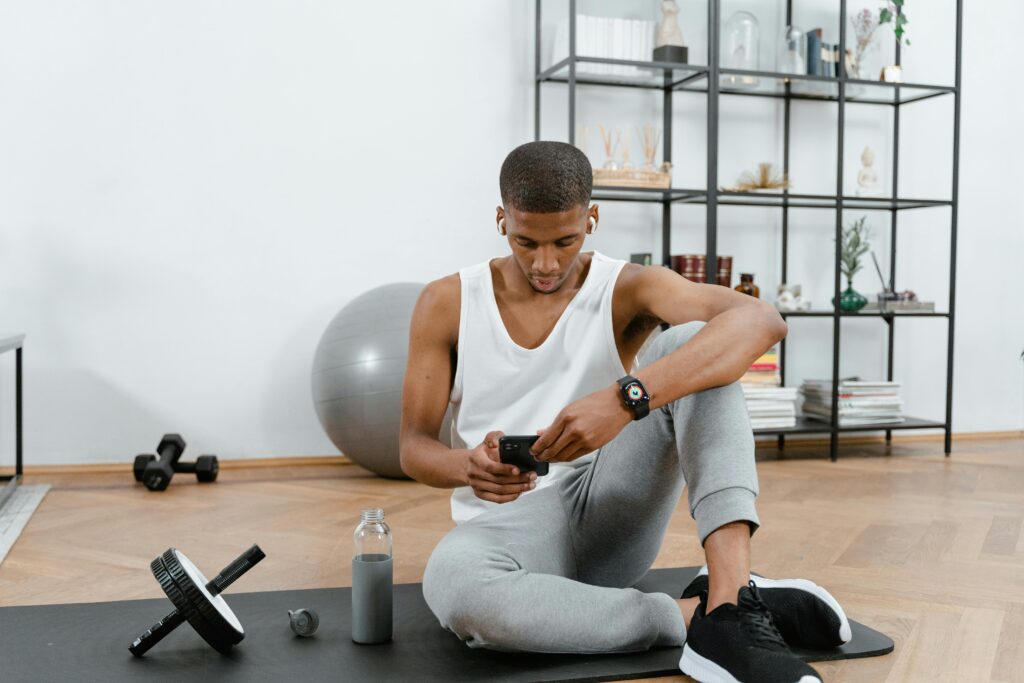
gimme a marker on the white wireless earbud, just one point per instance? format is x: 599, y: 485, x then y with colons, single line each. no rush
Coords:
x: 501, y: 227
x: 593, y: 224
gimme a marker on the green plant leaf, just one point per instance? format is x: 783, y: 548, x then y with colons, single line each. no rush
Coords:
x: 884, y: 16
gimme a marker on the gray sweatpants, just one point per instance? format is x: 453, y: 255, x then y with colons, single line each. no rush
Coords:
x: 551, y: 571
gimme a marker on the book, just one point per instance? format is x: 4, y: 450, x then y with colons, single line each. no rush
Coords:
x: 851, y: 412
x: 858, y: 421
x: 761, y: 379
x: 858, y: 401
x: 851, y: 386
x: 814, y: 52
x: 755, y: 391
x: 768, y: 406
x: 772, y: 422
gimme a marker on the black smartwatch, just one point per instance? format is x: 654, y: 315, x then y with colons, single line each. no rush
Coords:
x: 635, y: 396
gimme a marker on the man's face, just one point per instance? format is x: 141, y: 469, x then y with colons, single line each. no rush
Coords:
x: 546, y: 245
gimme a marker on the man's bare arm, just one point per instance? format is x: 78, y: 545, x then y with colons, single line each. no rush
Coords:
x: 428, y: 380
x: 429, y: 373
x: 738, y: 329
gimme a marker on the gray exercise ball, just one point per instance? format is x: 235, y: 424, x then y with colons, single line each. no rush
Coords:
x: 357, y: 376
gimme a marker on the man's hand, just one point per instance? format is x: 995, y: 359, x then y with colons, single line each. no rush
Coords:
x: 492, y: 479
x: 583, y: 426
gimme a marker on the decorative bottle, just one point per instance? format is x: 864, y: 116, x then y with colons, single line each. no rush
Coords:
x: 372, y: 579
x: 791, y: 54
x: 747, y: 286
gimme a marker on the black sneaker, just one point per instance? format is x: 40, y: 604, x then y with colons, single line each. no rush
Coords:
x: 805, y: 613
x: 740, y: 644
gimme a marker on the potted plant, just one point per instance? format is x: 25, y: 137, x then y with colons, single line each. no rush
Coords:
x: 853, y: 248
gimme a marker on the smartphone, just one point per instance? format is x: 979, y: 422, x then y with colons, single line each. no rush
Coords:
x: 515, y: 450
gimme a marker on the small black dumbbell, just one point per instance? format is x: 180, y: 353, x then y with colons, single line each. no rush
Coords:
x: 205, y: 468
x: 156, y: 471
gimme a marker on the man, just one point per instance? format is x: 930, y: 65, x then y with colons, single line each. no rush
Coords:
x: 545, y: 341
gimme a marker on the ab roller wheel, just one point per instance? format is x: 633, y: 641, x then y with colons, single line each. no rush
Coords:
x: 197, y: 600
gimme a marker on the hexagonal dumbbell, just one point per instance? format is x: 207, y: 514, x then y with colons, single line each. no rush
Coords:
x: 156, y: 471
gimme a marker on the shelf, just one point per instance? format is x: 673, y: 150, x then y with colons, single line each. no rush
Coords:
x: 821, y: 201
x: 769, y: 199
x: 669, y: 79
x: 865, y: 314
x: 806, y: 425
x: 693, y: 78
x: 655, y: 75
x: 646, y: 194
x: 820, y: 88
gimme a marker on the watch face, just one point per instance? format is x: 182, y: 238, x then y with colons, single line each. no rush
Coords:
x: 634, y: 392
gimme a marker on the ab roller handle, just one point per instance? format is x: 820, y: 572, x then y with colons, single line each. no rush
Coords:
x: 230, y: 573
x: 155, y: 633
x: 177, y: 576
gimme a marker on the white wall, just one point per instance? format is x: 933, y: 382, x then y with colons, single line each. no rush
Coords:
x: 189, y: 191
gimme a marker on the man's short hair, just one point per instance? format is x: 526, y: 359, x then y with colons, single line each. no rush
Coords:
x: 546, y: 177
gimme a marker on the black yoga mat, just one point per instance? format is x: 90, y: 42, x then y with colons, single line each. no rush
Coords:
x: 89, y: 642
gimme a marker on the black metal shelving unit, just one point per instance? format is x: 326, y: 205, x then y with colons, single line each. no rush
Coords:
x: 671, y: 78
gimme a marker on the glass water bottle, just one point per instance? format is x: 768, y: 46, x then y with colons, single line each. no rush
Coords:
x: 371, y: 579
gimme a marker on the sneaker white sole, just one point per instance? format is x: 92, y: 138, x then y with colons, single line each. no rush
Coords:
x: 705, y: 671
x: 845, y: 632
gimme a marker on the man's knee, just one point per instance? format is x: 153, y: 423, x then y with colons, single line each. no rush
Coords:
x: 726, y: 401
x: 441, y: 577
x: 668, y: 341
x: 454, y: 590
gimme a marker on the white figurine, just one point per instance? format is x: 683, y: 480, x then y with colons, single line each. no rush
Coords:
x: 867, y: 181
x: 668, y: 29
x: 789, y: 299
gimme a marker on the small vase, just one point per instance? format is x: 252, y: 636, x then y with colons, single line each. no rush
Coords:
x: 851, y: 300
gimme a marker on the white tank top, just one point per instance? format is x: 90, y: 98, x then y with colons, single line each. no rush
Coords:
x: 500, y: 385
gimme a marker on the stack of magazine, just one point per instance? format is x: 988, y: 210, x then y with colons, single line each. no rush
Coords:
x: 860, y: 402
x: 770, y: 406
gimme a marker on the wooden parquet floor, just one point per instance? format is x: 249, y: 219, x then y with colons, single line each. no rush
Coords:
x: 924, y: 548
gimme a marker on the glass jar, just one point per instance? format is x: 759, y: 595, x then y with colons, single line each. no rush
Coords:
x: 740, y: 49
x: 747, y: 286
x: 372, y: 579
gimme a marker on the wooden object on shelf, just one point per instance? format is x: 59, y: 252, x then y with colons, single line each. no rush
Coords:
x: 661, y: 178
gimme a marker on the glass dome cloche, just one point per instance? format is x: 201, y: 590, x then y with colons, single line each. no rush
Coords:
x: 740, y: 49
